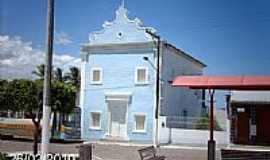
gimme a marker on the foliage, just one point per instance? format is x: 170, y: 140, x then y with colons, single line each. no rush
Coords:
x: 203, y: 123
x: 40, y: 71
x: 73, y: 76
x: 3, y: 96
x: 27, y: 95
x: 58, y: 75
x: 63, y: 97
x: 18, y: 95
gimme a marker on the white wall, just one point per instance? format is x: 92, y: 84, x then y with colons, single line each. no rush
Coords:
x: 164, y: 132
x: 189, y: 136
x: 176, y: 99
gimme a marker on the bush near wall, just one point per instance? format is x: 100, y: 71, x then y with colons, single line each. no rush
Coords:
x: 203, y: 123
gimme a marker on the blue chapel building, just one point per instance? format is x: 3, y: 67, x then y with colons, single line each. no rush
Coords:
x: 118, y: 82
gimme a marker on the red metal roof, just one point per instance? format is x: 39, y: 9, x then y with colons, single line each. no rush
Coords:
x: 224, y: 82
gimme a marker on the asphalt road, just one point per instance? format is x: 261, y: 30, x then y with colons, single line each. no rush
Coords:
x: 109, y: 152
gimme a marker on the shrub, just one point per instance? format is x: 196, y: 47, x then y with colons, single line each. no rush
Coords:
x: 203, y: 123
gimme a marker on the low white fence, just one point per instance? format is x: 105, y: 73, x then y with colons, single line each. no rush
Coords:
x: 189, y: 136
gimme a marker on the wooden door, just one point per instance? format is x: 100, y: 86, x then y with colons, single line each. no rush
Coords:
x: 242, y: 125
x: 118, y: 124
x: 263, y: 125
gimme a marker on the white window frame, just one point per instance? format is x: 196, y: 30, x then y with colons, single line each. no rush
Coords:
x: 145, y: 123
x: 91, y: 120
x: 92, y: 75
x: 146, y: 75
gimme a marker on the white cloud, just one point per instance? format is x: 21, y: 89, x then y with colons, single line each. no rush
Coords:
x: 62, y: 38
x: 18, y: 58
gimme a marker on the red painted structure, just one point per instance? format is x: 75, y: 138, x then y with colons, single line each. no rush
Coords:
x: 213, y: 83
x: 224, y: 82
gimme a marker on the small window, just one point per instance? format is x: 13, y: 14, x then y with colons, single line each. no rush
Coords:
x: 140, y: 123
x: 96, y: 76
x: 95, y: 120
x: 141, y: 75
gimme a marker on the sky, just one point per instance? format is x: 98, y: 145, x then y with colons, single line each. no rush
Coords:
x: 231, y: 37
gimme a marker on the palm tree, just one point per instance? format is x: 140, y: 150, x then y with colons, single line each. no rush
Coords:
x: 40, y: 71
x: 74, y: 77
x: 58, y: 75
x: 58, y: 78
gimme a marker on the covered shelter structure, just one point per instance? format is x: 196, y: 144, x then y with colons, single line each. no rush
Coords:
x: 212, y: 83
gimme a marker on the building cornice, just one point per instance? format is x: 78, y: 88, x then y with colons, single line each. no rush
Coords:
x: 116, y: 48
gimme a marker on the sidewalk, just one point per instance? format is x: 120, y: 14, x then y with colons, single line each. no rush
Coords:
x: 247, y: 147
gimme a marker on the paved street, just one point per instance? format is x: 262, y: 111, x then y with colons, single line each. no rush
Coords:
x: 111, y: 152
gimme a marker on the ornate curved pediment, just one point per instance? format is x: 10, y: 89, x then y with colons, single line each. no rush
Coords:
x: 121, y: 30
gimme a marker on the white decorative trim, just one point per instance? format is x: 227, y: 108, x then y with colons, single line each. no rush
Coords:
x: 95, y: 128
x: 121, y: 13
x: 145, y: 123
x: 92, y: 75
x: 110, y: 48
x: 146, y: 76
x: 118, y: 96
x: 118, y: 93
x: 91, y: 120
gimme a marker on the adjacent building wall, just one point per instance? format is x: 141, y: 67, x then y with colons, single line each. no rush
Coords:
x: 175, y: 99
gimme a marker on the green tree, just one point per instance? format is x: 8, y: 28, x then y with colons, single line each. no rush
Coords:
x: 63, y: 97
x: 24, y: 95
x: 73, y: 77
x: 3, y: 95
x: 63, y: 101
x: 40, y: 71
x: 58, y: 75
x: 27, y: 96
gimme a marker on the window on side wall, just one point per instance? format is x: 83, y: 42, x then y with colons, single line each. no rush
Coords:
x: 141, y: 75
x: 96, y: 76
x: 95, y: 120
x: 140, y: 123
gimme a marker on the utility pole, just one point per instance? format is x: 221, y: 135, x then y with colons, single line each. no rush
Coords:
x: 157, y: 82
x: 47, y: 82
x: 211, y: 141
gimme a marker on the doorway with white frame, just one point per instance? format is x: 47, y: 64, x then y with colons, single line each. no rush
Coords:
x: 117, y: 119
